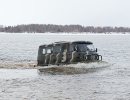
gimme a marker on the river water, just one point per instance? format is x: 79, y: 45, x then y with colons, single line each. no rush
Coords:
x: 100, y: 82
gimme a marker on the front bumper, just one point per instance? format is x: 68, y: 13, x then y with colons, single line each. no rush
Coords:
x: 93, y: 57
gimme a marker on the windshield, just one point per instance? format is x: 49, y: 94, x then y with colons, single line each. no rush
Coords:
x: 86, y: 47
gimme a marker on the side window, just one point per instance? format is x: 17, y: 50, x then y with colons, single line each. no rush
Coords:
x: 71, y: 48
x: 56, y: 49
x: 43, y: 51
x: 48, y: 50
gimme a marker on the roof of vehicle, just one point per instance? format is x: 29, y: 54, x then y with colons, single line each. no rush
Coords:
x: 66, y: 42
x: 82, y: 42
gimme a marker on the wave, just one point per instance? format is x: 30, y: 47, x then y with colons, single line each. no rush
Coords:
x: 17, y: 65
x: 80, y: 68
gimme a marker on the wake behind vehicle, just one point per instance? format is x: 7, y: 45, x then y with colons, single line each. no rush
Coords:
x: 63, y: 52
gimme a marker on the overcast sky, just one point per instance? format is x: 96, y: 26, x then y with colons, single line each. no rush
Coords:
x: 83, y: 12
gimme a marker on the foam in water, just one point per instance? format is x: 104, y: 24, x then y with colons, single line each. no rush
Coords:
x: 90, y: 65
x: 80, y: 68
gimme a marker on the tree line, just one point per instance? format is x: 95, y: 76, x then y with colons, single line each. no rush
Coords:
x: 43, y: 28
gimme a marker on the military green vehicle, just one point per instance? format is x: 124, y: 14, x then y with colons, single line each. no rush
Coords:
x: 60, y: 53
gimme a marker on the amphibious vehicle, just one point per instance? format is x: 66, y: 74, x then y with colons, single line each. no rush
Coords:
x: 63, y: 52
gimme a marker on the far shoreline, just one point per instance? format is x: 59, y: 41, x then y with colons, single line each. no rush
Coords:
x: 83, y: 33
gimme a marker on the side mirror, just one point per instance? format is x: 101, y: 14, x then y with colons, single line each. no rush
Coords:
x: 96, y: 49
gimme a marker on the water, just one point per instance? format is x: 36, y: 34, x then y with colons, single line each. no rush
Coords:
x: 100, y: 83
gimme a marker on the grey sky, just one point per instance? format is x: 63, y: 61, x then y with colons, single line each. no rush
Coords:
x: 83, y: 12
